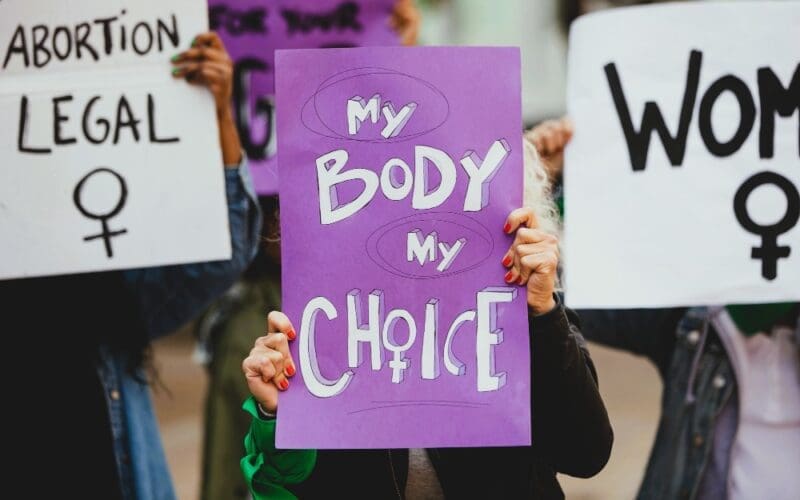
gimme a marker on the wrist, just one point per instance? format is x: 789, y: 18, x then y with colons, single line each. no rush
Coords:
x: 225, y: 114
x: 543, y: 308
x: 264, y: 413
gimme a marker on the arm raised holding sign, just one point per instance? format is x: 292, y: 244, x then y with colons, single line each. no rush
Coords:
x: 170, y: 296
x: 571, y: 430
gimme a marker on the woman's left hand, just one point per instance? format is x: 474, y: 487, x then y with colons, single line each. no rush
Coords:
x: 405, y: 21
x: 532, y: 260
x: 207, y: 63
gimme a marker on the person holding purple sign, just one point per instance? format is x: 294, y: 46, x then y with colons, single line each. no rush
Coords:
x: 571, y: 430
x: 227, y: 330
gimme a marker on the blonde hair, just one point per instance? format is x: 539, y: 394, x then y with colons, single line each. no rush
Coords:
x: 537, y: 193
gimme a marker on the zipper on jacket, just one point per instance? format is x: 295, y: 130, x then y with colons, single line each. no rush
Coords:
x: 394, y: 476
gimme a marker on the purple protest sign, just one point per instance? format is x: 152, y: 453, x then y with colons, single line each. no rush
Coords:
x: 253, y: 29
x: 398, y: 168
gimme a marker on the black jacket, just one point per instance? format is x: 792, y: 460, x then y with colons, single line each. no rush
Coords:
x: 571, y: 435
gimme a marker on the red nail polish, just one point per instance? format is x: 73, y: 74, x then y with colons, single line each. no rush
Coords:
x: 507, y: 228
x: 508, y: 277
x: 290, y: 371
x: 291, y: 334
x: 284, y: 384
x: 507, y: 260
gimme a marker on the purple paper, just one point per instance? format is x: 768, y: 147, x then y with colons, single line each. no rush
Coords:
x: 253, y: 29
x: 353, y: 281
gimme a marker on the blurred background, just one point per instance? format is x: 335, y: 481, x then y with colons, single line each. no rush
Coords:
x: 630, y: 386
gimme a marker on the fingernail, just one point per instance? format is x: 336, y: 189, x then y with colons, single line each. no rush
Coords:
x: 291, y: 334
x: 175, y: 71
x: 175, y: 57
x: 521, y: 281
x: 507, y: 260
x: 508, y: 277
x: 284, y: 384
x: 507, y: 228
x: 290, y: 371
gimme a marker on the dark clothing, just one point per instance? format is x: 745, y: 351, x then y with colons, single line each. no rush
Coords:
x: 82, y: 418
x: 571, y: 435
x: 61, y: 322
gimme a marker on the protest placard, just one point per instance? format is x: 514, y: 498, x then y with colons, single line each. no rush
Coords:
x: 253, y: 29
x: 683, y: 175
x: 107, y: 163
x: 398, y: 168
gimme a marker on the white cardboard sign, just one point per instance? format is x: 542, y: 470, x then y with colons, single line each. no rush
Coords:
x: 683, y: 175
x: 106, y: 162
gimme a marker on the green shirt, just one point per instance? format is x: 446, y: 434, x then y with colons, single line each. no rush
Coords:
x: 267, y: 469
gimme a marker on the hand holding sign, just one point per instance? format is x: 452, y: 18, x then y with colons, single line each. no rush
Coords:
x: 208, y: 63
x: 270, y: 364
x: 532, y: 260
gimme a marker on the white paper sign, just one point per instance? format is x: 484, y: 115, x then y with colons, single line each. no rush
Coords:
x: 106, y: 162
x: 683, y: 175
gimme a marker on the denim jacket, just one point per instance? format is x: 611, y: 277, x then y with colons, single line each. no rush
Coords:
x: 168, y: 297
x: 699, y: 398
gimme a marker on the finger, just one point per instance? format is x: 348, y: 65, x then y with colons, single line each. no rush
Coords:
x: 526, y: 235
x: 568, y: 127
x: 205, y: 73
x: 533, y: 248
x: 511, y: 276
x: 280, y: 342
x: 551, y: 142
x: 521, y: 250
x: 208, y: 39
x: 188, y: 68
x: 534, y: 135
x: 200, y: 54
x: 279, y: 322
x: 521, y: 217
x: 258, y: 365
x: 279, y: 378
x: 545, y: 264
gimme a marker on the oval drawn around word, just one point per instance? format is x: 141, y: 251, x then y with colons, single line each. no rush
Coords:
x: 389, y: 245
x: 324, y: 113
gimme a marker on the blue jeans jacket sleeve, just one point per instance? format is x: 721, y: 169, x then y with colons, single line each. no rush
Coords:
x: 170, y: 296
x: 646, y: 332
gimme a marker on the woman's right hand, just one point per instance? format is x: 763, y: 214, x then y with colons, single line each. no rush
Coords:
x: 269, y: 366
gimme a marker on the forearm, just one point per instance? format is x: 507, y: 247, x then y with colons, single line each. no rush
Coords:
x: 571, y: 429
x: 229, y: 138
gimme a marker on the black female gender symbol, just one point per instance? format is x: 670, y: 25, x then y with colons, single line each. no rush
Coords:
x: 106, y: 234
x: 769, y: 252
